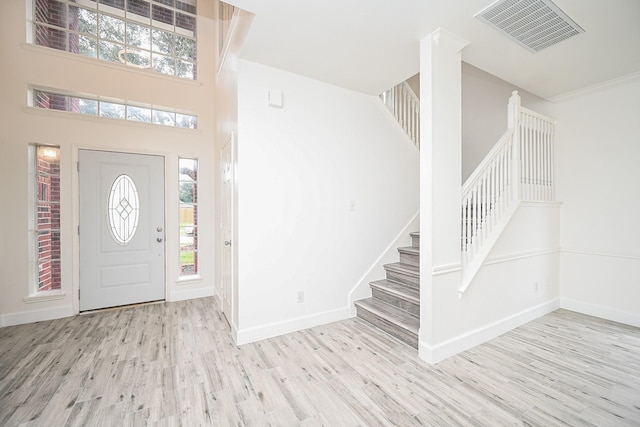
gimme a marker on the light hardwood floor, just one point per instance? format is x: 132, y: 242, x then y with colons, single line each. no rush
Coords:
x: 175, y: 364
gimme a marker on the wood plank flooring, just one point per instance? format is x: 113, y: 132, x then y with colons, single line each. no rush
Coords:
x: 175, y: 364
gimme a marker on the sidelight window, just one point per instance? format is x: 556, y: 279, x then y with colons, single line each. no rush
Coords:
x: 188, y: 194
x: 45, y: 218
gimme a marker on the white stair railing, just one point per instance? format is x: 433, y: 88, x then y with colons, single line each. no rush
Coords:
x: 536, y: 154
x: 519, y: 167
x: 486, y: 195
x: 403, y: 103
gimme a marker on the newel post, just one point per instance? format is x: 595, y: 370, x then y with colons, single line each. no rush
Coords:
x: 514, y: 123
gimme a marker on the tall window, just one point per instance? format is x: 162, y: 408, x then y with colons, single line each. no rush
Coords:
x: 46, y: 216
x: 188, y: 192
x: 156, y: 34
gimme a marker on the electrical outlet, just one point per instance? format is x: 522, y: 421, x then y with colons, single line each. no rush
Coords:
x: 300, y: 296
x: 352, y: 205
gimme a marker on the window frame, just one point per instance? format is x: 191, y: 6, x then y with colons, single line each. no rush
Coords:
x: 71, y: 101
x: 35, y: 271
x: 182, y: 12
x: 183, y: 229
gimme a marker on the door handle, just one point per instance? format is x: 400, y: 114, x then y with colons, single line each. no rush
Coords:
x: 227, y: 242
x: 159, y: 239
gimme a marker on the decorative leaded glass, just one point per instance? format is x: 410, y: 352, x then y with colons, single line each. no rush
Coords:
x: 123, y: 209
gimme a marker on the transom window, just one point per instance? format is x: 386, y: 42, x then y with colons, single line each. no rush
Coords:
x: 113, y: 109
x: 159, y: 35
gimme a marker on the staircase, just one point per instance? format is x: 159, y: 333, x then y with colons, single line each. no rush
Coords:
x: 395, y: 303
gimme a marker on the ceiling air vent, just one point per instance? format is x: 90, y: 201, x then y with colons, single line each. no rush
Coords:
x: 533, y: 24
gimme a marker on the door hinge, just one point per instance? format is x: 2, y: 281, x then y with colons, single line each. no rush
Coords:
x: 78, y: 293
x: 78, y: 230
x: 78, y: 166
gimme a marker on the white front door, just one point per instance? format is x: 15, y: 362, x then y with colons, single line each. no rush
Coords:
x: 121, y: 229
x: 226, y: 170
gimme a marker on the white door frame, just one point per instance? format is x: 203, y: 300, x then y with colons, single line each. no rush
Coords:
x: 170, y: 220
x: 233, y: 273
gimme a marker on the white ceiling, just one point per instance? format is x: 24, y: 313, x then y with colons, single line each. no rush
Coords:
x: 371, y: 45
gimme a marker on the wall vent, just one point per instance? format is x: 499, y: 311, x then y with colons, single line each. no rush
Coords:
x: 533, y: 24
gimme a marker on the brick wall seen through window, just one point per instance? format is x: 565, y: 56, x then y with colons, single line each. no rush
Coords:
x: 159, y: 35
x: 47, y: 211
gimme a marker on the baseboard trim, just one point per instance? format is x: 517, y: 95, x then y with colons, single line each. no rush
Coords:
x: 185, y: 294
x: 453, y: 346
x: 607, y: 313
x: 249, y: 335
x: 40, y: 315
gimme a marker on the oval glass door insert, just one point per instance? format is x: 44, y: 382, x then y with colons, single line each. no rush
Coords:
x: 123, y: 209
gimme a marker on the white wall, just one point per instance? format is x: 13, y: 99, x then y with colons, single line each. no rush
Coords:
x: 23, y: 65
x: 598, y: 150
x: 518, y: 283
x: 299, y: 167
x: 484, y: 113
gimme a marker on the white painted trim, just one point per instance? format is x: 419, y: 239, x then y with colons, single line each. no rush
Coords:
x: 229, y: 37
x: 440, y: 270
x: 458, y: 42
x: 44, y: 296
x: 470, y: 339
x: 233, y: 326
x: 111, y: 121
x: 519, y: 255
x: 187, y: 280
x: 608, y: 254
x: 595, y: 88
x: 257, y: 333
x: 390, y: 254
x: 67, y: 56
x: 185, y: 294
x: 238, y: 29
x: 10, y: 319
x: 540, y: 204
x: 600, y: 311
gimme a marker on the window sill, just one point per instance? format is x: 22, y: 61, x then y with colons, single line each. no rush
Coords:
x: 113, y: 65
x: 185, y: 280
x: 103, y: 120
x: 44, y: 296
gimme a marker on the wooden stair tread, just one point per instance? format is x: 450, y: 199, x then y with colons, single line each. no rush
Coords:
x: 410, y: 250
x: 410, y: 270
x: 391, y: 314
x: 400, y: 290
x: 394, y: 305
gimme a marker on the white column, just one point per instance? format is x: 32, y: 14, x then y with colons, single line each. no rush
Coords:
x: 440, y: 169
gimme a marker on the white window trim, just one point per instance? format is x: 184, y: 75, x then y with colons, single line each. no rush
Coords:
x: 121, y: 14
x: 114, y: 65
x: 36, y: 295
x: 44, y: 296
x: 195, y: 277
